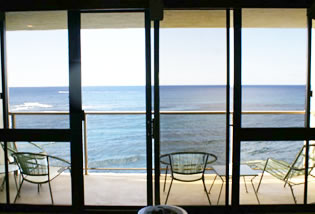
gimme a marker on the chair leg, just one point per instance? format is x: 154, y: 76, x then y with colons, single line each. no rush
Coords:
x: 16, y: 185
x: 3, y: 182
x: 20, y: 177
x: 169, y: 190
x: 245, y: 184
x: 203, y: 181
x: 2, y: 185
x: 165, y: 178
x: 213, y: 183
x: 38, y: 188
x: 292, y: 194
x: 18, y: 193
x: 251, y: 180
x: 220, y: 190
x: 204, y: 186
x: 262, y: 175
x: 51, y: 196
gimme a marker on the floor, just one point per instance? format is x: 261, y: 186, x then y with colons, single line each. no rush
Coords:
x: 130, y: 189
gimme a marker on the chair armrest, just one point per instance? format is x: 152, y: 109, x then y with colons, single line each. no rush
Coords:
x: 255, y: 164
x: 57, y: 158
x: 39, y: 147
x: 44, y: 155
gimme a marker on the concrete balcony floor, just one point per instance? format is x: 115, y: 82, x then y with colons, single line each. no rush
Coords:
x: 130, y: 189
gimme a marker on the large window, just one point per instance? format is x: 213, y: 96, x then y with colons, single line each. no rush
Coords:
x: 37, y: 53
x: 274, y: 63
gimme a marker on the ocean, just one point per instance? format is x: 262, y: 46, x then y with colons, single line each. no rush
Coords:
x: 118, y: 141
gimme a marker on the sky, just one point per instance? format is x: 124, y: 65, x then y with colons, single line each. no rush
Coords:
x: 188, y: 56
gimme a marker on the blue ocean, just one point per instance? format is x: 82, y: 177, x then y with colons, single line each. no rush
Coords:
x: 119, y: 141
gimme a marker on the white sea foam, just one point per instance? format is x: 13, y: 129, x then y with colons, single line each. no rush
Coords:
x: 29, y: 106
x: 63, y: 92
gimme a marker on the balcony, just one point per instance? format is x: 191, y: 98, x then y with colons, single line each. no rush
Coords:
x: 130, y: 189
x: 127, y: 186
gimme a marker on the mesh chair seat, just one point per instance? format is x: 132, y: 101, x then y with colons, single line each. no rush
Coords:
x: 53, y: 173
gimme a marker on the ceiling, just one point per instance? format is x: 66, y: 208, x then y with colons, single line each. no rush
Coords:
x: 251, y: 18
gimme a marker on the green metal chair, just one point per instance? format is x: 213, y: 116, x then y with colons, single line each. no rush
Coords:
x: 11, y: 149
x: 284, y: 171
x: 38, y: 168
x: 189, y: 163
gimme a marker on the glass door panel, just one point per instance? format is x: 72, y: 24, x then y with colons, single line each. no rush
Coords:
x: 113, y: 90
x: 274, y: 66
x: 274, y: 63
x: 266, y: 171
x: 38, y: 70
x: 192, y: 107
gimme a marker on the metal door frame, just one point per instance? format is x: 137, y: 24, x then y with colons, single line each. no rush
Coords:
x: 265, y: 134
x: 156, y: 127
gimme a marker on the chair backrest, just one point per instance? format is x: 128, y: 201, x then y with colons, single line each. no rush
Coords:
x: 188, y: 163
x: 31, y: 163
x: 11, y: 146
x: 298, y: 165
x: 312, y: 155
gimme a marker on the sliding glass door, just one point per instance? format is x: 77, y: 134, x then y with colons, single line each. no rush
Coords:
x: 116, y: 104
x: 191, y: 85
x: 272, y: 111
x: 149, y: 123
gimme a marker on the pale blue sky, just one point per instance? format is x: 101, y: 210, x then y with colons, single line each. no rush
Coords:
x: 187, y: 57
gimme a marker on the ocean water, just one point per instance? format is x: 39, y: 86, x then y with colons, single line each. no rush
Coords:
x: 119, y: 140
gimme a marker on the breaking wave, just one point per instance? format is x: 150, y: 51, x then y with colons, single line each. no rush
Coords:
x: 30, y: 106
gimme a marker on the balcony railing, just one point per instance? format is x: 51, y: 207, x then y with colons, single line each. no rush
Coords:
x: 85, y: 124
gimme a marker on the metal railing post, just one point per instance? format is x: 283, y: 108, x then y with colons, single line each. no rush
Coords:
x: 13, y: 121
